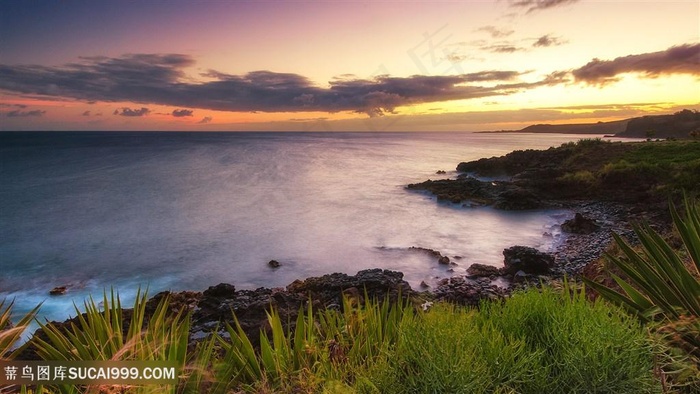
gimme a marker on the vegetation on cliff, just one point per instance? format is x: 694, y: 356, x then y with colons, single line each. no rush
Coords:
x: 641, y: 174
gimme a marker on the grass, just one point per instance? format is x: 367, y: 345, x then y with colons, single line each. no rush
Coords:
x: 537, y: 341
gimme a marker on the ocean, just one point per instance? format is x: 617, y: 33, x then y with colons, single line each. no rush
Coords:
x: 175, y: 211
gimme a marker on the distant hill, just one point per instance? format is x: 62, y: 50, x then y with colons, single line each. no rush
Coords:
x: 615, y: 127
x: 679, y: 125
x: 683, y: 124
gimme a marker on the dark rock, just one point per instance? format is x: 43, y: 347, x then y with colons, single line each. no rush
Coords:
x: 222, y: 290
x: 580, y: 225
x: 431, y: 252
x: 424, y: 285
x: 445, y: 260
x: 517, y: 199
x: 183, y: 301
x: 520, y: 277
x: 526, y: 259
x: 273, y: 263
x: 58, y: 290
x: 482, y: 270
x: 377, y: 283
x: 441, y: 172
x: 464, y: 291
x: 459, y: 190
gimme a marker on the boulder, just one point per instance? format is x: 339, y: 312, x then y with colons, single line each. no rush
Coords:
x: 222, y: 290
x: 58, y: 290
x: 580, y: 225
x: 526, y: 259
x: 273, y: 264
x: 482, y: 270
x: 444, y: 260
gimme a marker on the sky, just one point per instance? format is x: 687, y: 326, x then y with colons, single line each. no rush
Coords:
x: 343, y: 65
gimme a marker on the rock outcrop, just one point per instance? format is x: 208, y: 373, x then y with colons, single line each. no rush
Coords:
x: 528, y: 260
x: 580, y: 225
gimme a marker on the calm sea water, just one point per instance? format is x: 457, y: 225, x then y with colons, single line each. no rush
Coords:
x: 189, y: 210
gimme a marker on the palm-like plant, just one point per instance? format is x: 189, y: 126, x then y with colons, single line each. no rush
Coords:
x: 9, y: 334
x: 102, y: 334
x: 661, y: 285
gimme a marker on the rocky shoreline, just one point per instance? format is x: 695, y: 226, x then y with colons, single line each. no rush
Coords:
x: 522, y: 266
x: 587, y: 234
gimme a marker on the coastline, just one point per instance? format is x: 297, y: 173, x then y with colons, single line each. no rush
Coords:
x: 213, y: 306
x: 580, y: 247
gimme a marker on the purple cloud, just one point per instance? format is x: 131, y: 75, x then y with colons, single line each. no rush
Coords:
x: 683, y: 59
x: 160, y: 79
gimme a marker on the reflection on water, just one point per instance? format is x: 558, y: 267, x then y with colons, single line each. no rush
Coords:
x: 189, y: 210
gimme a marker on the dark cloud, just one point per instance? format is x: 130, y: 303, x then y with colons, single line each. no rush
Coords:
x: 179, y: 113
x: 160, y: 79
x: 24, y: 114
x: 536, y: 5
x: 684, y: 59
x: 125, y: 111
x: 86, y: 113
x: 205, y: 120
x: 496, y: 32
x: 548, y: 41
x: 13, y: 105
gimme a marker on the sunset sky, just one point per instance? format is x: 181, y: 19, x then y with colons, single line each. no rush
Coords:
x: 343, y: 65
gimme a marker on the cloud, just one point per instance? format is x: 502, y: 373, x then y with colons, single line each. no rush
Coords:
x: 205, y: 120
x: 125, y: 111
x: 179, y: 113
x: 496, y: 32
x: 548, y: 41
x: 537, y: 5
x: 160, y: 80
x: 24, y: 114
x: 502, y: 48
x: 86, y: 113
x: 683, y: 59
